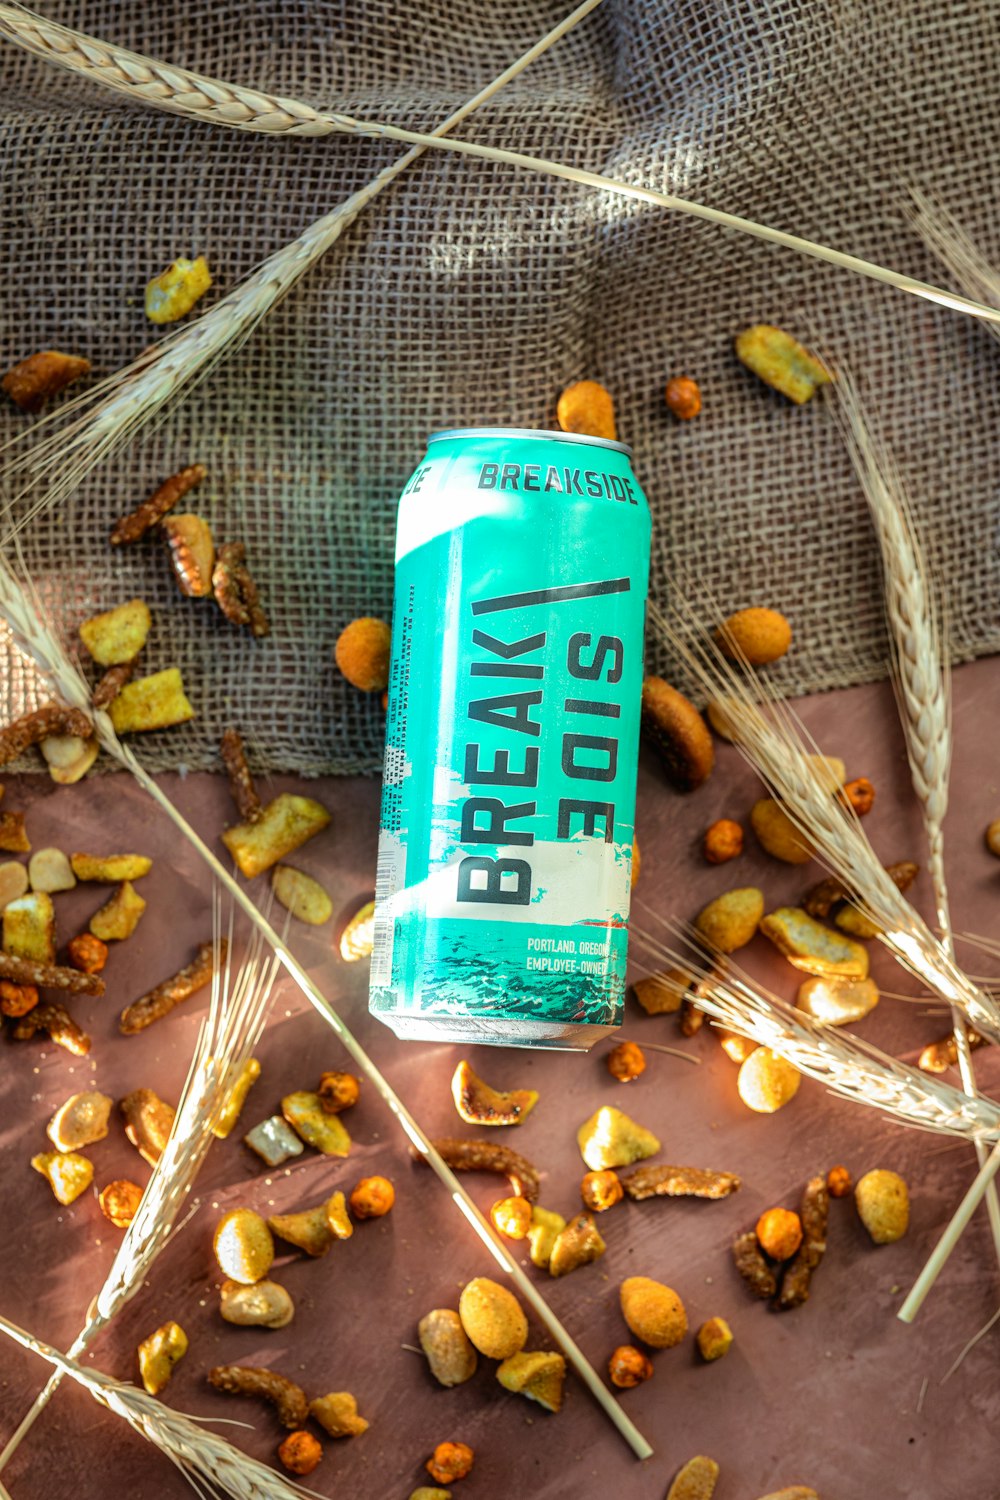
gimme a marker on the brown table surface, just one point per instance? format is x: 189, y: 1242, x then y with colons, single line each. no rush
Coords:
x: 828, y: 1395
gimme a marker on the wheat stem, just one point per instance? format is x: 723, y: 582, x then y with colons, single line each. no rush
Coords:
x: 946, y: 239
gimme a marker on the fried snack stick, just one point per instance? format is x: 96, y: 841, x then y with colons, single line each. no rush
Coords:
x: 112, y: 682
x: 287, y: 1398
x: 245, y: 795
x: 679, y: 1182
x: 487, y: 1156
x: 752, y: 1266
x: 814, y: 1213
x: 49, y: 976
x: 57, y: 1021
x: 170, y: 992
x: 235, y: 590
x: 31, y: 729
x: 131, y: 527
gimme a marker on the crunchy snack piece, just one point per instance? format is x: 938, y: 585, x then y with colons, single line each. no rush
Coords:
x: 307, y: 1117
x: 730, y: 921
x: 839, y: 1182
x: 450, y: 1461
x: 757, y: 636
x: 35, y: 380
x: 49, y: 871
x: 273, y: 1141
x: 265, y: 1304
x: 236, y: 592
x: 159, y: 1353
x: 119, y: 1201
x: 68, y: 1174
x: 601, y: 1190
x: 493, y: 1318
x: 119, y: 917
x: 546, y: 1227
x: 111, y: 684
x: 938, y: 1057
x: 300, y: 1452
x: 155, y: 702
x: 68, y: 757
x: 87, y: 953
x: 610, y: 1139
x: 837, y: 1002
x: 814, y: 1212
x: 169, y: 993
x: 173, y: 293
x: 192, y: 553
x: 304, y: 897
x: 679, y: 1182
x: 820, y: 900
x: 737, y: 1048
x: 242, y: 1081
x: 696, y: 1481
x: 362, y: 654
x: 131, y: 527
x: 29, y: 926
x: 338, y: 1091
x: 450, y: 1354
x: 49, y: 976
x: 629, y: 1367
x: 372, y: 1198
x: 13, y: 834
x: 13, y: 881
x: 241, y: 782
x: 148, y: 1122
x: 792, y: 1492
x: 859, y: 794
x: 31, y: 728
x: 683, y: 397
x: 576, y: 1245
x: 626, y: 1061
x: 779, y: 1233
x: 883, y: 1202
x: 852, y: 920
x: 115, y: 637
x: 488, y: 1156
x: 358, y: 937
x: 479, y: 1104
x: 690, y: 1019
x: 653, y: 1312
x: 678, y: 733
x: 429, y: 1492
x: 307, y: 1230
x: 753, y: 1267
x: 766, y: 1082
x: 338, y: 1220
x: 512, y: 1217
x: 17, y: 999
x: 337, y: 1413
x: 777, y: 834
x: 588, y: 407
x: 288, y: 1399
x: 243, y: 1246
x: 539, y: 1376
x: 781, y: 362
x: 714, y: 1339
x: 80, y: 1121
x: 661, y: 994
x: 810, y: 946
x: 110, y: 869
x: 283, y: 826
x: 59, y: 1025
x: 718, y: 712
x: 723, y: 841
x: 992, y: 837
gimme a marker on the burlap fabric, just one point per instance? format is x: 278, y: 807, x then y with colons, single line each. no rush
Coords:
x: 470, y: 293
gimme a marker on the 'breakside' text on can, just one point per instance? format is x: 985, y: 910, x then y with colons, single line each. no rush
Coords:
x: 505, y: 852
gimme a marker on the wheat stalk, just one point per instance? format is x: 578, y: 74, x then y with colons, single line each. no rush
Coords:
x: 945, y: 238
x: 181, y: 91
x: 211, y: 1466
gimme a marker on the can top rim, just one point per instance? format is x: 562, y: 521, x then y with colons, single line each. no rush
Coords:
x: 531, y: 432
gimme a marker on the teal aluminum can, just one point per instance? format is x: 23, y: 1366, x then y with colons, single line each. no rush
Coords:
x: 512, y: 739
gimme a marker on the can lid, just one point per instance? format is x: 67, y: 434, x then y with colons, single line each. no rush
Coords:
x: 547, y: 435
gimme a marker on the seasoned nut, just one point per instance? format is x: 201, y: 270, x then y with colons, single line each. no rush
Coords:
x: 17, y: 999
x: 304, y: 897
x: 810, y: 946
x: 29, y: 925
x: 839, y: 1182
x: 939, y: 1056
x: 307, y: 1230
x: 68, y: 757
x: 696, y: 1481
x: 662, y: 994
x: 119, y: 917
x: 757, y: 636
x: 358, y: 937
x: 781, y: 362
x: 273, y: 1141
x: 629, y: 1367
x: 720, y: 714
x: 779, y: 1233
x: 283, y: 826
x: 307, y: 1117
x: 155, y: 702
x: 13, y: 881
x: 737, y: 1048
x: 372, y: 1198
x: 338, y: 1414
x: 110, y: 869
x: 512, y: 1217
x: 777, y: 834
x: 610, y: 1139
x: 546, y: 1228
x: 837, y: 1002
x: 239, y: 1082
x: 338, y: 1220
x: 730, y: 921
x: 830, y: 769
x: 159, y: 1353
x: 243, y: 1246
x: 263, y: 1305
x: 883, y: 1205
x: 32, y: 381
x: 690, y: 1019
x: 119, y: 1201
x: 338, y: 1091
x: 576, y: 1245
x: 429, y: 1492
x: 653, y: 1312
x: 766, y: 1081
x: 715, y: 1338
x: 626, y: 1061
x: 587, y: 407
x: 683, y: 397
x: 450, y: 1461
x: 993, y: 837
x: 300, y: 1452
x: 49, y: 871
x: 601, y: 1190
x: 450, y: 1354
x: 192, y: 553
x: 287, y: 1398
x: 362, y: 654
x: 118, y: 635
x: 723, y: 841
x: 87, y: 953
x: 13, y: 834
x: 81, y: 1121
x: 538, y: 1376
x: 678, y: 733
x: 493, y: 1318
x: 858, y: 794
x: 68, y: 1174
x: 148, y: 1123
x: 479, y: 1104
x: 173, y: 293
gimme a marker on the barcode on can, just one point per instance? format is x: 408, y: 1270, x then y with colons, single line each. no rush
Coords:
x: 388, y: 879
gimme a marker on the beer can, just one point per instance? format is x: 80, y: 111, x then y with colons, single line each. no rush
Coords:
x: 508, y: 802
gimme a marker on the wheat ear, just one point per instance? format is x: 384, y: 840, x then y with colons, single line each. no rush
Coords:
x: 95, y: 425
x: 20, y: 607
x: 919, y: 673
x: 211, y: 1466
x: 166, y: 86
x: 945, y: 238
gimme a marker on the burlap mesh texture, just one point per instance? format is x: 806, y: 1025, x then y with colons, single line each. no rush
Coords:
x: 470, y: 293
